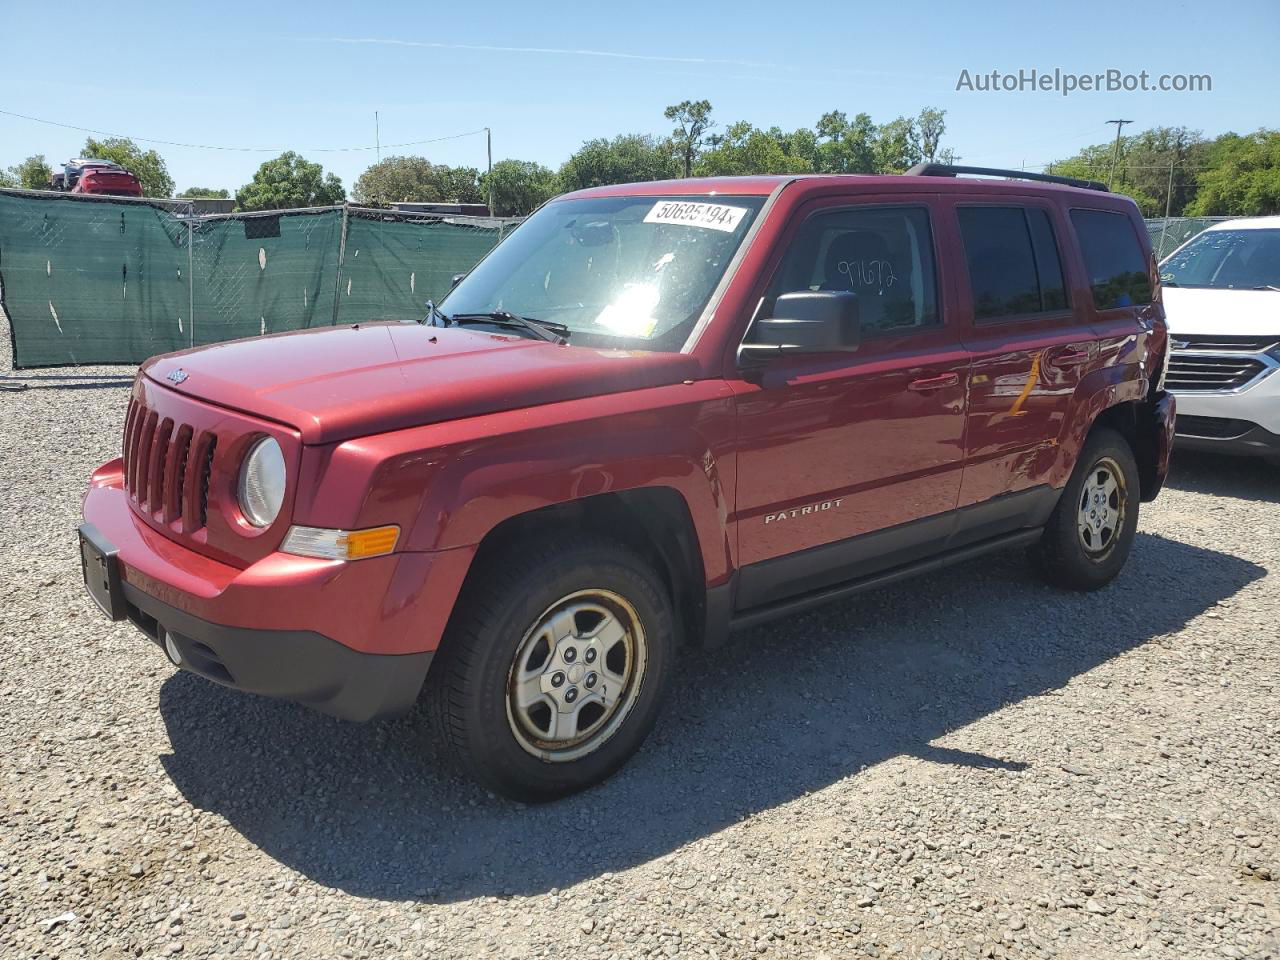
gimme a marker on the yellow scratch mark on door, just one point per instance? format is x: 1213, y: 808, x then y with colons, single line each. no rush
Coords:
x: 1016, y: 410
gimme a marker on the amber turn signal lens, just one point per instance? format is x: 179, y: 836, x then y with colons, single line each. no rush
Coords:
x: 328, y: 544
x: 371, y: 543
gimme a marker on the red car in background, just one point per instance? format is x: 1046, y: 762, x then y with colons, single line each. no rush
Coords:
x: 100, y: 177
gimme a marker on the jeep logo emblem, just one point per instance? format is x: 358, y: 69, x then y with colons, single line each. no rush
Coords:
x: 176, y: 376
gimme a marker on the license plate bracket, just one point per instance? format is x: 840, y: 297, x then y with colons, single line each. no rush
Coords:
x: 100, y: 567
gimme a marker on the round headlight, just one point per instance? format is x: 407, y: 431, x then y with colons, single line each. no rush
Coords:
x: 262, y: 483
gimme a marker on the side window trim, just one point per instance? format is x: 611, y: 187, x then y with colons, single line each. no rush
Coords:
x: 1026, y: 316
x: 771, y: 291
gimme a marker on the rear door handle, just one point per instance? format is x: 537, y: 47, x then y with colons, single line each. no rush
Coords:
x: 1071, y: 358
x: 934, y: 383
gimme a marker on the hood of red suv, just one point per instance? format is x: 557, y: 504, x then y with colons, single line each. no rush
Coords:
x: 337, y: 383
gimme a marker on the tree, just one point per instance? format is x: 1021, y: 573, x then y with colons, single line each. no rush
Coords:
x: 930, y: 126
x: 289, y: 181
x: 897, y: 145
x: 416, y: 180
x: 1143, y: 167
x: 845, y: 146
x: 398, y: 179
x: 1091, y: 163
x: 627, y: 158
x: 1241, y: 176
x: 32, y: 173
x: 459, y: 184
x: 202, y: 193
x: 147, y: 165
x: 519, y: 186
x: 7, y: 179
x: 745, y: 149
x: 693, y: 120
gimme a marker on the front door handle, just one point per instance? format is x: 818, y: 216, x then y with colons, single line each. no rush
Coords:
x: 934, y: 383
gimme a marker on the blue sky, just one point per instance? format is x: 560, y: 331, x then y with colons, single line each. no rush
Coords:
x: 547, y: 76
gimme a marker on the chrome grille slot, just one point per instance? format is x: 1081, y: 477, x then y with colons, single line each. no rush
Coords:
x: 1201, y: 372
x: 1196, y: 342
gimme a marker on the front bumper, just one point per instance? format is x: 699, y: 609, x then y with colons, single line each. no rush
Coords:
x: 351, y: 639
x: 1226, y: 435
x: 297, y: 665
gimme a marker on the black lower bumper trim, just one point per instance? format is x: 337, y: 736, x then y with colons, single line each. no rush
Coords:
x: 300, y: 665
x: 1256, y: 442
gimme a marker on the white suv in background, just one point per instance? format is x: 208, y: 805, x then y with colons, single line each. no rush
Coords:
x: 1222, y: 299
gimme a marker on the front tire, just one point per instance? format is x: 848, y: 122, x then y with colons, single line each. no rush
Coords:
x: 553, y: 668
x: 1090, y: 532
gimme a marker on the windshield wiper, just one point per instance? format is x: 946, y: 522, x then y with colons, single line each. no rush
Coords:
x: 553, y: 332
x: 1267, y: 286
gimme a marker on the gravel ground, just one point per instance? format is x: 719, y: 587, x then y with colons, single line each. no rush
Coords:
x: 969, y: 766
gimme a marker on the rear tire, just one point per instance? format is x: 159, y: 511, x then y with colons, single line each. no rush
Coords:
x: 553, y: 668
x: 1089, y: 534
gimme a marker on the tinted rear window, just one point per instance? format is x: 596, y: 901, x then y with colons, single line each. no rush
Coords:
x: 1118, y: 270
x: 1014, y: 267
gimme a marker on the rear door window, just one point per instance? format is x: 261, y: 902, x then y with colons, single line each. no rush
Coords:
x: 1118, y: 271
x: 1014, y: 266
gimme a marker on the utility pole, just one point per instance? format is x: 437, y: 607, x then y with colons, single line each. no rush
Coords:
x: 377, y: 135
x: 488, y: 144
x: 1115, y: 152
x: 1168, y: 203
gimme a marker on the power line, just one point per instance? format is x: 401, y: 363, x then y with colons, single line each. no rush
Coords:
x: 209, y: 146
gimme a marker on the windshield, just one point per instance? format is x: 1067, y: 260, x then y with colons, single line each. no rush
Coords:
x: 1226, y: 259
x: 625, y: 272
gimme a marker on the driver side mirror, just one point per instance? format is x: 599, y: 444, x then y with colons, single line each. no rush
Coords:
x: 806, y: 321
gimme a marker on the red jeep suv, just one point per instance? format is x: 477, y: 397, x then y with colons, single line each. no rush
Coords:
x: 654, y: 414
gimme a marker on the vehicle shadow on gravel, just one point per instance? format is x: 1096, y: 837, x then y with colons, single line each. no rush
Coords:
x: 788, y: 709
x: 1241, y: 478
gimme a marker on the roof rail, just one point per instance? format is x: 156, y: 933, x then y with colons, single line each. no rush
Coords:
x: 950, y: 170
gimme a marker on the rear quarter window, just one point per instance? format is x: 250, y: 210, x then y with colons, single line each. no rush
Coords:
x: 1118, y: 272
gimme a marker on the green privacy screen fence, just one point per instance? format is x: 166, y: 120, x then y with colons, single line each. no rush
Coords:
x: 96, y: 280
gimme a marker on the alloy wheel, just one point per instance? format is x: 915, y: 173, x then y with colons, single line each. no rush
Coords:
x: 576, y: 675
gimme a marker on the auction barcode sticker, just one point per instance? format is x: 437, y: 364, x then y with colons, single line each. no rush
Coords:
x: 709, y: 216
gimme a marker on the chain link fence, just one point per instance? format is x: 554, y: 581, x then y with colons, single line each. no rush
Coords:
x: 1169, y: 233
x: 100, y: 280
